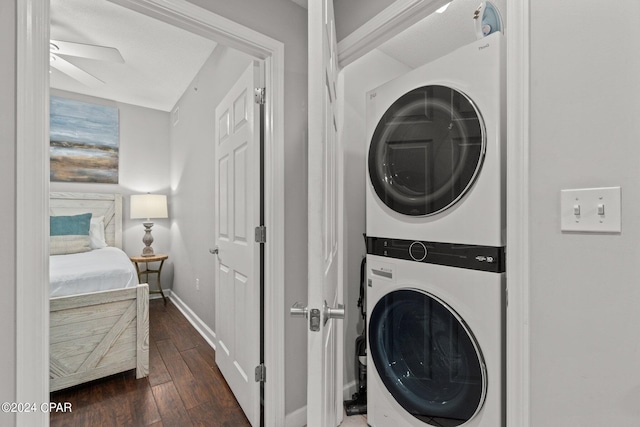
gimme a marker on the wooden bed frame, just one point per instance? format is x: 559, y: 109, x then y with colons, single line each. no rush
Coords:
x: 101, y: 333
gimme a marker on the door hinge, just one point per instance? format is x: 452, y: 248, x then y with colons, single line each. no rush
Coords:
x: 261, y: 234
x: 261, y: 373
x: 259, y: 95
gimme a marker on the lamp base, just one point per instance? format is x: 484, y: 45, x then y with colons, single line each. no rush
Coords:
x: 147, y: 239
x: 147, y: 251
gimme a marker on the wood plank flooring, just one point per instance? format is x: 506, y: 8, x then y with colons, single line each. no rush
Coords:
x: 184, y: 387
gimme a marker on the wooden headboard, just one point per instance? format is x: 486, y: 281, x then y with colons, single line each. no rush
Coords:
x: 99, y: 204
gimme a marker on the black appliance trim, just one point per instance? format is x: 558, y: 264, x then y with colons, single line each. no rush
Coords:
x: 474, y: 257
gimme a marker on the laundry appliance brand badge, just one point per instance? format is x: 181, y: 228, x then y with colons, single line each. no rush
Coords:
x: 484, y: 47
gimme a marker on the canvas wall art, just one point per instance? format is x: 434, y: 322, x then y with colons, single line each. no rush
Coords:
x: 84, y: 142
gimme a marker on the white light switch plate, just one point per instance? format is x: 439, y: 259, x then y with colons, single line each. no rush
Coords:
x: 579, y: 210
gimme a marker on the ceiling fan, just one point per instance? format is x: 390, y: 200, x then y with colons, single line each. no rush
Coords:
x: 58, y: 49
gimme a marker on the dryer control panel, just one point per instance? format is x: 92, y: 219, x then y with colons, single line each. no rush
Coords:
x: 474, y: 257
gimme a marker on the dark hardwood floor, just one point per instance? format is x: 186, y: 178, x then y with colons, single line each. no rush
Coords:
x: 184, y: 387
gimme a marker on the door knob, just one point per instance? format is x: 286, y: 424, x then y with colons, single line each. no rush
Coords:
x: 332, y: 313
x: 299, y: 310
x: 215, y: 251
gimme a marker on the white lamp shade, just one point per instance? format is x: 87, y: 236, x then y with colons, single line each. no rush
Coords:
x: 149, y: 206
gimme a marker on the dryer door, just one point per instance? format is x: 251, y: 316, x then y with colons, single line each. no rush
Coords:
x: 427, y: 358
x: 427, y: 150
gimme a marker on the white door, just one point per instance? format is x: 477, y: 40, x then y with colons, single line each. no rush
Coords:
x: 238, y: 261
x: 324, y: 388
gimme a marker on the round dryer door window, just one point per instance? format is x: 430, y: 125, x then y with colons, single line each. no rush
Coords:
x: 427, y: 358
x: 427, y: 150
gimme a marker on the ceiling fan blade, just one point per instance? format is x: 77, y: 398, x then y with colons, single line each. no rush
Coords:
x: 74, y: 72
x: 101, y: 53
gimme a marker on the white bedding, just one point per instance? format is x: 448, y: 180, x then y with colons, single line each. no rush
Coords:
x: 93, y: 271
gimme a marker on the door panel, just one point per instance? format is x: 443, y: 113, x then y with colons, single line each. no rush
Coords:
x: 223, y: 195
x: 240, y: 193
x: 324, y: 286
x: 238, y: 202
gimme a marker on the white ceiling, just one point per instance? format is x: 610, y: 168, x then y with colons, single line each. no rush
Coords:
x: 160, y: 60
x: 437, y: 34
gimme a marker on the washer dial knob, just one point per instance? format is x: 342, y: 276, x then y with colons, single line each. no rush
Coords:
x: 418, y: 251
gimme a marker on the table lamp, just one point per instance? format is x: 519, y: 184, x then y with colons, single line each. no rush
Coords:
x: 148, y: 206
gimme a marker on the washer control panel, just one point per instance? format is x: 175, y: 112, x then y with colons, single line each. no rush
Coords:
x: 475, y: 257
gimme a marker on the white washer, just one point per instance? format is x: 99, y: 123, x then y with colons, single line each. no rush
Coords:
x: 435, y: 349
x: 436, y: 156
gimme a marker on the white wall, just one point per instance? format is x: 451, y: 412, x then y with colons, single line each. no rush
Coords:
x: 143, y: 167
x: 7, y: 207
x: 193, y: 175
x: 368, y: 72
x: 585, y: 288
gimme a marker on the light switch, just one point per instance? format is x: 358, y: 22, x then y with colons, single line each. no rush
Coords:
x: 594, y: 210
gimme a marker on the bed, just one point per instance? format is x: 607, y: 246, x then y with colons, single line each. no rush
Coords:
x: 99, y: 325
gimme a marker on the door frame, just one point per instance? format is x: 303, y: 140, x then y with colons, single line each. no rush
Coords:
x: 518, y: 335
x: 32, y: 132
x: 32, y: 207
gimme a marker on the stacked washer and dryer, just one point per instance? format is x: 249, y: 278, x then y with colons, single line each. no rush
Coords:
x: 436, y: 243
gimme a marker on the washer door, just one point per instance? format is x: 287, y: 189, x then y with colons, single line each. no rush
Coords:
x: 427, y: 150
x: 427, y: 358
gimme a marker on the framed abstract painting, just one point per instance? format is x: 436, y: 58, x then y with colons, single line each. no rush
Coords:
x: 84, y: 142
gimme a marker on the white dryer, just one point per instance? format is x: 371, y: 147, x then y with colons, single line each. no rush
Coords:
x: 436, y: 154
x: 435, y: 348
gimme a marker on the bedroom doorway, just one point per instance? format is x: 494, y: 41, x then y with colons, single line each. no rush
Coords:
x: 33, y: 92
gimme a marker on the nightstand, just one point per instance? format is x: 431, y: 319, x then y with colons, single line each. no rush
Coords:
x: 137, y: 260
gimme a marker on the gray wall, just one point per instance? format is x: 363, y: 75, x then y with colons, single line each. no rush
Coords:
x: 352, y: 14
x: 7, y: 207
x: 193, y: 175
x: 143, y: 167
x: 285, y: 21
x: 585, y: 288
x: 368, y: 72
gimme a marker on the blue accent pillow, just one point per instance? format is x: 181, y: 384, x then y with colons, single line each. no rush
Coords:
x: 69, y: 234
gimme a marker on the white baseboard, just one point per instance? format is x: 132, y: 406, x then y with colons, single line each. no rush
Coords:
x: 297, y: 418
x: 195, y: 321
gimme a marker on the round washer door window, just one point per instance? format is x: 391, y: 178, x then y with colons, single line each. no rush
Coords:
x: 427, y: 150
x: 427, y: 358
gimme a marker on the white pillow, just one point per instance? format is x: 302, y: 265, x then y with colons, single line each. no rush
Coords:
x: 96, y: 233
